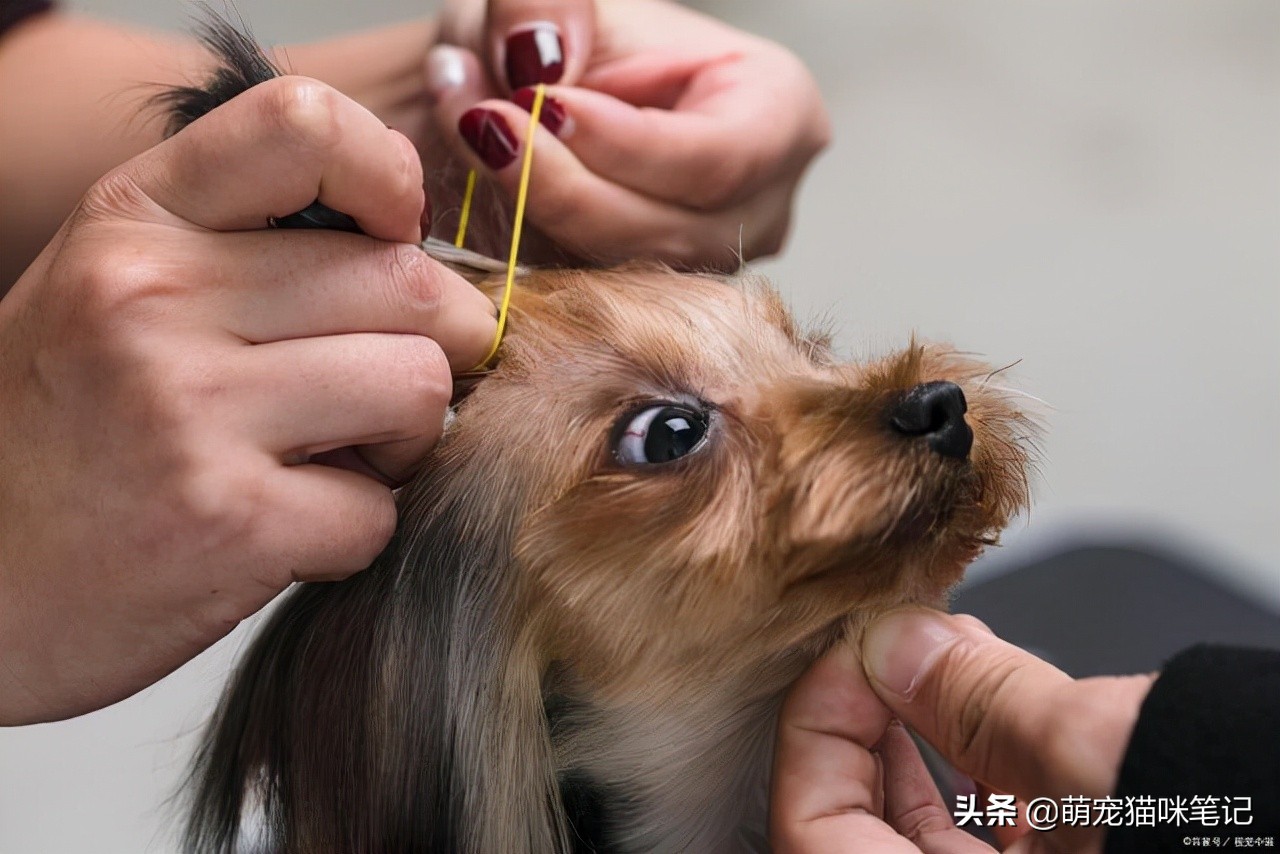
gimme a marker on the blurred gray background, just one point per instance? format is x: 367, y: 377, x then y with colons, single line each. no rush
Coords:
x: 1090, y: 186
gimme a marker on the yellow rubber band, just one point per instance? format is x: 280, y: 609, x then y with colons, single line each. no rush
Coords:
x: 466, y: 209
x: 522, y: 195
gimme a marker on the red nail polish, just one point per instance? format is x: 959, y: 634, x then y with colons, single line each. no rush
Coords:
x: 534, y: 55
x: 552, y: 116
x: 487, y: 133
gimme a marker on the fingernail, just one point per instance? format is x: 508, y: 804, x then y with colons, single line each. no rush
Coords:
x: 489, y: 136
x: 534, y: 55
x: 445, y: 70
x: 552, y: 117
x: 899, y: 648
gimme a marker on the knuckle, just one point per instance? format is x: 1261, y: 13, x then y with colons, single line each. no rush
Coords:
x: 771, y: 240
x: 367, y: 526
x: 218, y: 505
x: 979, y: 696
x: 302, y: 110
x: 408, y: 178
x: 120, y: 288
x: 428, y: 381
x: 819, y: 134
x: 809, y: 131
x: 108, y: 279
x: 722, y: 181
x: 415, y: 280
x: 168, y: 391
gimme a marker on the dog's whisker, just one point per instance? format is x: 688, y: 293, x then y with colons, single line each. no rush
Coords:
x: 1014, y: 392
x: 1012, y: 364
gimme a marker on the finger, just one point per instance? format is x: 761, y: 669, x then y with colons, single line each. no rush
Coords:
x: 912, y: 805
x: 276, y: 149
x: 581, y: 211
x: 324, y: 524
x: 273, y: 286
x: 1005, y: 834
x: 981, y: 702
x: 385, y: 394
x: 825, y: 779
x: 707, y: 156
x: 454, y: 75
x: 539, y: 41
x: 652, y: 78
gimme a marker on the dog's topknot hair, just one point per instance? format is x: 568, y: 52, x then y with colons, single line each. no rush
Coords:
x: 242, y: 64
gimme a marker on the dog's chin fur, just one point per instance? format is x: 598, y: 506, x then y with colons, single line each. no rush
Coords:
x: 562, y: 652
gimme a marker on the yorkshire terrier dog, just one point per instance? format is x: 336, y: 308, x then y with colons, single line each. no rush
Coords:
x: 661, y: 506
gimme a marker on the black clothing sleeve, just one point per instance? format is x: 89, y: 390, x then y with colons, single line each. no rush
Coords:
x: 1210, y: 728
x: 13, y: 11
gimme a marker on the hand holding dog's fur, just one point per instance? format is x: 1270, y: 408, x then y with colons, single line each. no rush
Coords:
x: 670, y: 135
x: 162, y: 371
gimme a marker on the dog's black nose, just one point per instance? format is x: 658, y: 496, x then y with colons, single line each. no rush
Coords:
x: 935, y: 411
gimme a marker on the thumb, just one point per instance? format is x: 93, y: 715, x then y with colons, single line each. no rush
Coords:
x: 539, y: 41
x: 985, y: 704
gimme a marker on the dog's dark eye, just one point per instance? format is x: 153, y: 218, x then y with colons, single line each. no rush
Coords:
x: 660, y: 434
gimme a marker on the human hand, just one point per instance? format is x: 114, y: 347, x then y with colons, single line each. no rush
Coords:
x: 845, y: 779
x: 171, y: 372
x: 667, y: 133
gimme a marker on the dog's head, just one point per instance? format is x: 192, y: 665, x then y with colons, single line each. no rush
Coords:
x: 661, y: 505
x: 695, y: 483
x: 663, y: 502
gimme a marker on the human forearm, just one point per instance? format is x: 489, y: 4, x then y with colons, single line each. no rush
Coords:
x: 74, y: 92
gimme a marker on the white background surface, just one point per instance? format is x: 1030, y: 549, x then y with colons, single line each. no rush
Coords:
x: 1092, y: 187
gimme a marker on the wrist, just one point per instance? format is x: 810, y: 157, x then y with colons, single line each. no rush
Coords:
x: 65, y: 123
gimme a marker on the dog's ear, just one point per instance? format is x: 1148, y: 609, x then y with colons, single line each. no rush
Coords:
x: 241, y: 65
